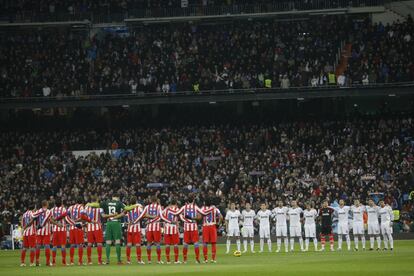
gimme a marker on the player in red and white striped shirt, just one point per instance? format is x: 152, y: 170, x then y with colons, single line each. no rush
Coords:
x: 153, y: 229
x: 189, y: 213
x: 94, y: 231
x: 134, y: 218
x: 29, y: 236
x: 44, y: 218
x: 171, y: 236
x: 75, y: 214
x: 210, y: 230
x: 59, y: 235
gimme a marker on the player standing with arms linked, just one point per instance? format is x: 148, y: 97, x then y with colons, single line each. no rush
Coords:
x: 373, y: 225
x: 210, y: 230
x: 248, y: 216
x: 134, y: 218
x: 358, y: 230
x: 264, y: 215
x: 59, y: 236
x: 113, y: 209
x: 310, y: 215
x: 295, y: 226
x: 29, y: 236
x: 343, y: 224
x: 280, y: 215
x: 232, y: 226
x: 325, y: 215
x: 387, y: 217
x: 171, y: 235
x: 189, y: 213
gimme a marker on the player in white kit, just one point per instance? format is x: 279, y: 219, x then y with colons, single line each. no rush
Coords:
x: 373, y: 225
x: 310, y: 214
x: 358, y: 211
x: 386, y: 216
x: 280, y: 215
x: 343, y: 224
x: 232, y: 226
x: 248, y: 216
x: 295, y: 226
x: 264, y: 215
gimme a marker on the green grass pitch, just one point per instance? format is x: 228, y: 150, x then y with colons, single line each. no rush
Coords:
x: 398, y: 262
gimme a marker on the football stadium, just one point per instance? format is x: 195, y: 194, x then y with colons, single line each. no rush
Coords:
x: 206, y: 137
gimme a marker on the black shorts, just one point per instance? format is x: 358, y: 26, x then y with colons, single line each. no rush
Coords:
x: 326, y: 230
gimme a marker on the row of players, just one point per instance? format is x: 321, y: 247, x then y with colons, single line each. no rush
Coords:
x: 45, y: 226
x: 296, y: 216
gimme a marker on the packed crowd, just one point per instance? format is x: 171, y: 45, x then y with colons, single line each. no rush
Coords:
x: 50, y: 10
x: 383, y: 53
x: 169, y: 58
x: 307, y: 161
x: 189, y: 57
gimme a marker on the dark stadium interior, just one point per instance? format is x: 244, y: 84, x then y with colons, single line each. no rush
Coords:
x: 206, y: 107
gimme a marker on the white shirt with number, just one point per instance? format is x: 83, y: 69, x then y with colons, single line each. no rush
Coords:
x: 343, y: 219
x: 310, y: 222
x: 373, y: 225
x: 295, y: 227
x: 232, y: 218
x: 358, y: 219
x: 248, y: 220
x: 264, y: 223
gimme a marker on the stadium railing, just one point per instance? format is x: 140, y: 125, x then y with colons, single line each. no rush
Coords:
x: 112, y: 98
x: 107, y: 16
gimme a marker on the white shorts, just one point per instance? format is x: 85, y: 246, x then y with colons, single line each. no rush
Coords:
x: 233, y: 232
x: 343, y: 229
x: 373, y: 228
x: 310, y: 230
x: 281, y: 230
x: 295, y: 231
x: 358, y: 228
x: 248, y: 232
x: 264, y: 232
x: 386, y: 228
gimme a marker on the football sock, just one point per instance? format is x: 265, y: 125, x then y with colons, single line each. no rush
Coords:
x: 185, y: 251
x: 99, y: 249
x: 159, y: 252
x: 32, y: 255
x: 205, y: 251
x: 292, y: 243
x: 238, y: 244
x: 261, y: 244
x: 385, y: 240
x: 348, y: 242
x: 339, y: 241
x: 307, y: 244
x: 379, y: 242
x: 363, y: 242
x: 54, y: 255
x: 356, y: 242
x: 89, y: 253
x: 197, y: 251
x: 269, y: 245
x: 108, y: 251
x: 149, y: 253
x: 128, y: 253
x: 63, y: 252
x: 176, y: 253
x: 80, y: 253
x: 228, y: 245
x: 279, y: 243
x: 138, y: 251
x: 286, y: 244
x: 213, y: 251
x: 23, y: 255
x: 315, y: 243
x: 371, y: 242
x: 252, y: 245
x: 167, y: 252
x: 301, y: 243
x: 245, y: 245
x: 118, y: 251
x: 391, y: 240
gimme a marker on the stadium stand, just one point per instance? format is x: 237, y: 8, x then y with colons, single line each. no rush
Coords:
x: 163, y: 58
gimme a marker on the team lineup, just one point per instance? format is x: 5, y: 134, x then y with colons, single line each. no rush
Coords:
x: 48, y: 228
